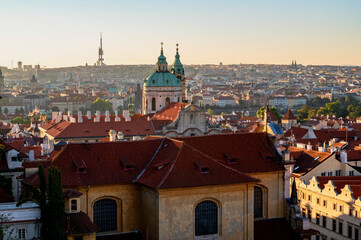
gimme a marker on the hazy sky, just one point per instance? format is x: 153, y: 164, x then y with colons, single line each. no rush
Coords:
x: 66, y: 33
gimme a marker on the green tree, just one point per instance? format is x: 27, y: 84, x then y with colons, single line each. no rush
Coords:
x: 4, y: 227
x: 101, y: 105
x: 223, y: 113
x: 210, y: 112
x: 260, y: 112
x: 16, y: 111
x: 6, y: 111
x: 20, y: 120
x: 303, y: 113
x: 49, y: 197
x: 22, y: 111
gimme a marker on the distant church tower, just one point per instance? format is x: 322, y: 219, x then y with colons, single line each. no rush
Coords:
x: 178, y: 71
x: 33, y: 83
x: 161, y: 87
x: 100, y: 52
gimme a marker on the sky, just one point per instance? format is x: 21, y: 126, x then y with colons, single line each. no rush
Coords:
x: 66, y: 33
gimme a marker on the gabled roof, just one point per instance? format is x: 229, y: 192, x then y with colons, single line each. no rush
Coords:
x: 340, y: 181
x: 167, y: 163
x: 306, y: 160
x: 289, y: 116
x: 170, y: 112
x: 79, y: 223
x: 298, y: 132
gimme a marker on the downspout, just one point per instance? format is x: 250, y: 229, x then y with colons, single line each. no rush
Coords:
x: 87, y: 199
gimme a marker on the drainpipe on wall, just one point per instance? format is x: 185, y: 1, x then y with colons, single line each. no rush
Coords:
x: 87, y: 198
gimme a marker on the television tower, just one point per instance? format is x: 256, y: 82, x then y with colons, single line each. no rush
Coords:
x: 100, y: 52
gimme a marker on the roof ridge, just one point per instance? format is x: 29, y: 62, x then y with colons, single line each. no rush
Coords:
x: 171, y: 168
x: 148, y: 164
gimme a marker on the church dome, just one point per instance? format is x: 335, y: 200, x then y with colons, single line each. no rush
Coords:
x: 162, y: 79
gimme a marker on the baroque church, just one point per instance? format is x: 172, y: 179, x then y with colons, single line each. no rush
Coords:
x: 165, y: 100
x: 163, y: 86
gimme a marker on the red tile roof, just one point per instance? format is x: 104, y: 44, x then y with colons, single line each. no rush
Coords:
x: 306, y: 160
x: 170, y: 112
x: 166, y: 163
x: 289, y: 116
x: 340, y: 181
x: 78, y: 223
x: 89, y: 128
x: 298, y: 132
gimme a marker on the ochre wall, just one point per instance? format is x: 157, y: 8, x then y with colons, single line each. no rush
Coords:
x: 274, y: 183
x: 235, y: 211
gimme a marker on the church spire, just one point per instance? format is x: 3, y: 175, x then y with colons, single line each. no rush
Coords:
x: 162, y: 65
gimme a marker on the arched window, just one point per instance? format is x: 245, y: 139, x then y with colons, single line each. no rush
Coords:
x: 167, y: 101
x: 258, y: 202
x: 105, y: 215
x: 206, y: 214
x: 153, y: 104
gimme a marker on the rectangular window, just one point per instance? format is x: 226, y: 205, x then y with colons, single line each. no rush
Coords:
x: 329, y: 173
x: 324, y: 221
x: 350, y: 173
x: 324, y: 203
x: 340, y: 208
x: 317, y: 237
x: 14, y: 159
x: 21, y: 233
x: 309, y: 214
x: 318, y: 201
x: 309, y: 198
x: 334, y: 206
x: 74, y: 206
x: 304, y: 212
x: 340, y: 227
x: 323, y: 174
x: 349, y: 231
x: 333, y: 225
x: 318, y: 219
x: 338, y: 172
x: 356, y: 234
x: 350, y: 212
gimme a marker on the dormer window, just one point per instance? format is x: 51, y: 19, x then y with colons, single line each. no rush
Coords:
x: 81, y: 170
x: 203, y: 168
x: 80, y: 165
x: 231, y: 159
x: 127, y: 164
x: 74, y: 205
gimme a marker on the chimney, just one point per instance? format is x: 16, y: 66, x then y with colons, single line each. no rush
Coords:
x: 89, y: 114
x: 69, y: 114
x: 72, y: 119
x: 126, y: 115
x: 80, y: 117
x: 343, y: 156
x: 309, y: 146
x: 120, y: 135
x: 112, y: 135
x: 97, y: 116
x: 31, y: 155
x: 117, y: 118
x: 321, y: 149
x: 107, y: 118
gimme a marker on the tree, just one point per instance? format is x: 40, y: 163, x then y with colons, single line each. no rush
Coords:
x: 22, y: 111
x: 260, y: 112
x: 223, y: 113
x: 4, y: 227
x: 55, y: 109
x: 101, y: 105
x: 303, y: 113
x: 49, y: 197
x: 16, y: 111
x: 210, y: 112
x: 6, y: 111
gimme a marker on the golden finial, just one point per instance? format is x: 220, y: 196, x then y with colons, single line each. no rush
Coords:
x: 161, y: 46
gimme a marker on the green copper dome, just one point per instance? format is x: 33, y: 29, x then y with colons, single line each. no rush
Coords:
x: 162, y: 79
x: 177, y: 67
